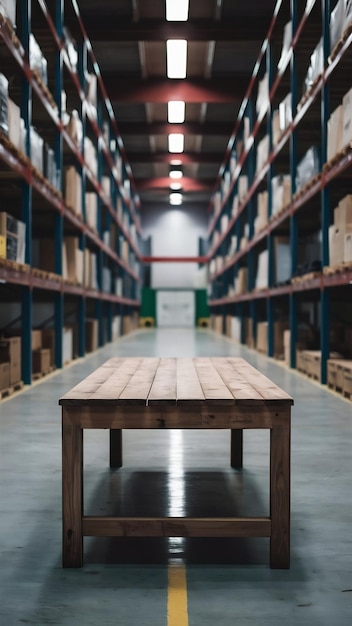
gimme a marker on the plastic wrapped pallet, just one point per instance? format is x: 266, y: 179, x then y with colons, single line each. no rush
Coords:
x: 14, y: 233
x: 281, y: 192
x: 37, y: 150
x: 73, y: 190
x: 308, y: 167
x: 37, y: 60
x: 91, y: 209
x: 285, y: 112
x: 14, y: 123
x: 262, y: 270
x: 286, y: 43
x: 4, y: 90
x: 8, y: 9
x: 263, y: 95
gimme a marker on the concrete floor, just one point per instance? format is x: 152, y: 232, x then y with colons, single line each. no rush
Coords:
x: 125, y: 581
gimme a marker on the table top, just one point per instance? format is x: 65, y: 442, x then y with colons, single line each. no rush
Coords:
x: 175, y: 381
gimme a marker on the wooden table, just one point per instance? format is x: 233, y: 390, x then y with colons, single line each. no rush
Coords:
x: 176, y: 393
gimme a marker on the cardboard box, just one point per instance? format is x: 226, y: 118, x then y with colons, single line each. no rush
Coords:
x: 91, y: 210
x: 73, y: 268
x: 335, y: 128
x: 262, y: 152
x: 336, y: 245
x: 73, y: 190
x: 347, y: 118
x: 343, y: 214
x: 91, y: 335
x: 41, y: 361
x: 242, y: 188
x: 347, y: 248
x: 48, y: 342
x: 2, y: 247
x: 14, y: 123
x: 262, y: 337
x: 4, y: 376
x: 10, y: 352
x: 67, y: 345
x: 241, y: 283
x: 36, y: 339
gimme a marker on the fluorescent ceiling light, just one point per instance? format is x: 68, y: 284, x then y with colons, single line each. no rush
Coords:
x: 175, y: 198
x: 177, y: 10
x: 175, y: 174
x: 176, y: 112
x: 176, y: 57
x: 175, y: 186
x: 175, y: 162
x: 176, y: 142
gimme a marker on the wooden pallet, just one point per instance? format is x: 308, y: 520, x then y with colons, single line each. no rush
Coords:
x: 13, y: 265
x: 39, y: 375
x: 337, y: 157
x: 313, y: 181
x: 305, y: 277
x: 337, y: 269
x: 10, y: 390
x: 340, y: 43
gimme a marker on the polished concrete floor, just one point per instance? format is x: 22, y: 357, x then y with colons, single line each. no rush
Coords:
x: 125, y: 581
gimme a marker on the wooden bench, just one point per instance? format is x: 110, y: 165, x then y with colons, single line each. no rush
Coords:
x: 162, y: 393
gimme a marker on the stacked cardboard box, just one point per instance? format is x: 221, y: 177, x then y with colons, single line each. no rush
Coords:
x: 279, y: 329
x: 41, y: 361
x: 335, y: 132
x: 262, y: 212
x: 73, y: 190
x: 91, y: 335
x: 4, y: 376
x: 340, y: 233
x: 91, y: 210
x: 73, y: 265
x: 10, y: 353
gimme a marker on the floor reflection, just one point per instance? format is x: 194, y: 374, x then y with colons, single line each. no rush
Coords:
x: 176, y: 489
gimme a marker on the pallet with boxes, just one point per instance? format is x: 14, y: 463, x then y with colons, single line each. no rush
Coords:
x: 308, y: 362
x: 340, y: 376
x: 10, y: 365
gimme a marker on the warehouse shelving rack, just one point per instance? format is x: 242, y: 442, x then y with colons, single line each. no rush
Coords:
x: 41, y: 205
x: 317, y: 196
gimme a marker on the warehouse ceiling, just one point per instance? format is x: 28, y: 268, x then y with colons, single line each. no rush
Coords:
x: 129, y: 40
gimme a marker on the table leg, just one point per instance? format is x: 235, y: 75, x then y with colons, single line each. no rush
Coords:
x: 237, y: 448
x: 280, y: 496
x: 72, y: 494
x: 116, y: 448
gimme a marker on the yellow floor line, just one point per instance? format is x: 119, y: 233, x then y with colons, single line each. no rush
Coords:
x: 177, y: 613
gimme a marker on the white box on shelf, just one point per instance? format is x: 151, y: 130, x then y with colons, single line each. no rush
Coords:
x: 335, y: 132
x: 347, y: 118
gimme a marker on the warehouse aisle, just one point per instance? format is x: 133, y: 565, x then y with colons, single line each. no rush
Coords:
x: 125, y: 581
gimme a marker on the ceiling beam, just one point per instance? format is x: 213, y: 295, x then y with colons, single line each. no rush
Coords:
x: 115, y: 29
x: 227, y: 91
x: 166, y: 157
x: 188, y: 184
x: 187, y: 128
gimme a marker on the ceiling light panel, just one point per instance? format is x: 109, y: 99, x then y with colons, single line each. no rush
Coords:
x: 176, y: 142
x: 177, y: 10
x: 176, y: 112
x: 176, y: 57
x: 175, y: 198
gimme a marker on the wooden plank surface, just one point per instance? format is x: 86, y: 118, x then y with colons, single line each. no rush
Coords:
x: 182, y: 381
x: 163, y: 389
